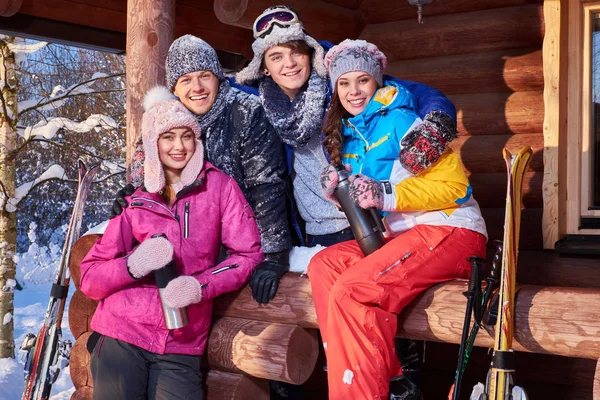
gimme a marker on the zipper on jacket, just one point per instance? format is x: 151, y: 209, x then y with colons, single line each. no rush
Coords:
x: 186, y: 220
x: 157, y: 203
x: 225, y: 268
x: 364, y: 140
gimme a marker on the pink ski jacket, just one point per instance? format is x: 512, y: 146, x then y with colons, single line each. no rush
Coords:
x: 209, y: 212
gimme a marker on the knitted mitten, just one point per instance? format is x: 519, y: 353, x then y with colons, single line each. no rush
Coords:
x: 366, y: 192
x: 182, y: 291
x: 150, y: 255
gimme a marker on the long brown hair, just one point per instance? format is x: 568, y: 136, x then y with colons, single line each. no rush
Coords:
x: 333, y: 129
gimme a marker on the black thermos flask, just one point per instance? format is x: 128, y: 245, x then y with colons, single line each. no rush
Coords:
x: 365, y: 224
x: 174, y: 317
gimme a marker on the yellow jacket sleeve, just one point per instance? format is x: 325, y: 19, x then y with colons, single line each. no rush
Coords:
x: 443, y: 186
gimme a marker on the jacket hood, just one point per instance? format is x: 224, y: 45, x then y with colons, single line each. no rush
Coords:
x: 389, y: 97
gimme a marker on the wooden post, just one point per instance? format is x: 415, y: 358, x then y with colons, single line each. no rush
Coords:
x: 321, y: 20
x: 150, y: 31
x: 8, y: 8
x: 555, y: 101
x: 280, y: 352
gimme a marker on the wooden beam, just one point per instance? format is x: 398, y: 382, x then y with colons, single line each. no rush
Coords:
x: 554, y: 108
x: 83, y: 393
x: 321, y: 20
x: 150, y: 29
x: 279, y: 352
x: 81, y: 311
x: 551, y: 320
x: 378, y: 11
x: 531, y: 220
x: 78, y: 252
x: 499, y: 113
x: 37, y: 28
x: 8, y: 8
x: 222, y: 385
x: 445, y: 35
x: 489, y: 189
x: 80, y: 363
x: 597, y: 381
x: 480, y: 154
x: 497, y: 71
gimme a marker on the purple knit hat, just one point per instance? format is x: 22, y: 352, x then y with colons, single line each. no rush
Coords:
x: 163, y: 113
x: 355, y: 55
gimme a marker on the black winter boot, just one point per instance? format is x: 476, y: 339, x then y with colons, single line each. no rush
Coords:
x: 403, y: 389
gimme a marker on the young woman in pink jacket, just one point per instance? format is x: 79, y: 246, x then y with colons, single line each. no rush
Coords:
x: 186, y: 209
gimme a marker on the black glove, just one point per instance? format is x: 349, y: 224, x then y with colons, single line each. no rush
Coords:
x: 120, y: 203
x: 424, y: 145
x: 265, y: 277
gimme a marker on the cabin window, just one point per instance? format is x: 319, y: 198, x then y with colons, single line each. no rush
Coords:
x: 594, y: 134
x: 580, y: 69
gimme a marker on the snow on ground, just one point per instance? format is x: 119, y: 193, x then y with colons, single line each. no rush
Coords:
x: 30, y: 310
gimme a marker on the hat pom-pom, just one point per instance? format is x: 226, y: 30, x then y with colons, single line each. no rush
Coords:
x: 157, y: 95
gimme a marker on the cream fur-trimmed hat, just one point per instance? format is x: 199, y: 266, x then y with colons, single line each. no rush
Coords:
x: 163, y: 113
x: 278, y: 35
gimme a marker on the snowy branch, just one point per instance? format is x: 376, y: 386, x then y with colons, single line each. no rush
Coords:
x: 79, y: 89
x: 48, y: 129
x: 21, y: 46
x: 53, y: 172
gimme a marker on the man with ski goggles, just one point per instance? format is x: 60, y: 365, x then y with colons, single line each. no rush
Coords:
x: 295, y: 92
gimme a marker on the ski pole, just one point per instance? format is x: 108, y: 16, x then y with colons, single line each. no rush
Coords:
x: 473, y: 291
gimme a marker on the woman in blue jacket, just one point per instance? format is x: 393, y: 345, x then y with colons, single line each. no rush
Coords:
x: 432, y: 221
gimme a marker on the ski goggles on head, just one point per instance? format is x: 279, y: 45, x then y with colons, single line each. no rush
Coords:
x: 279, y: 15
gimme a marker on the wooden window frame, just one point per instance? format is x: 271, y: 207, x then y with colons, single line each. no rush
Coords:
x: 579, y: 116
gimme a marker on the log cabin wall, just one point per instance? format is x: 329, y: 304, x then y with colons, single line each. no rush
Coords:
x: 486, y: 56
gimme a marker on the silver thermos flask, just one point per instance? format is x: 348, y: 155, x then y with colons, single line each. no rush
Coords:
x: 174, y: 317
x: 365, y: 224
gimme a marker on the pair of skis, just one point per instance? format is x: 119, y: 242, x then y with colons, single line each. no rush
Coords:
x: 500, y: 379
x: 47, y: 354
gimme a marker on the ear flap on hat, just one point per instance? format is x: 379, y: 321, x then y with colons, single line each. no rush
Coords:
x: 194, y: 166
x: 154, y: 176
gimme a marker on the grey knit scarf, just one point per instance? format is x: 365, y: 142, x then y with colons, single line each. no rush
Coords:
x: 298, y: 120
x: 206, y: 120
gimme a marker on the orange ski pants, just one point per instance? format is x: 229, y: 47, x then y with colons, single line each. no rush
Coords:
x: 357, y: 300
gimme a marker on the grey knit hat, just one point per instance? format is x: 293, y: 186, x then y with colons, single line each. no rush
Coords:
x: 189, y: 54
x: 355, y: 55
x: 277, y: 36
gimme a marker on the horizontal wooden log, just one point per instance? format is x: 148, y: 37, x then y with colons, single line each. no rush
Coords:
x: 550, y: 320
x: 80, y: 363
x: 531, y: 227
x: 83, y: 393
x: 233, y: 40
x: 280, y: 352
x: 474, y: 32
x: 81, y: 311
x: 321, y: 20
x: 78, y: 252
x: 378, y: 11
x: 482, y: 154
x: 222, y: 385
x: 8, y: 8
x: 546, y: 268
x: 510, y: 70
x: 499, y: 113
x: 489, y: 189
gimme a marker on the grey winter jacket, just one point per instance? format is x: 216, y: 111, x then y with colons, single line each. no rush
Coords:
x: 243, y: 144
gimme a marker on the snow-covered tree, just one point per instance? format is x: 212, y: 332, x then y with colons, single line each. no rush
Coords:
x: 58, y: 104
